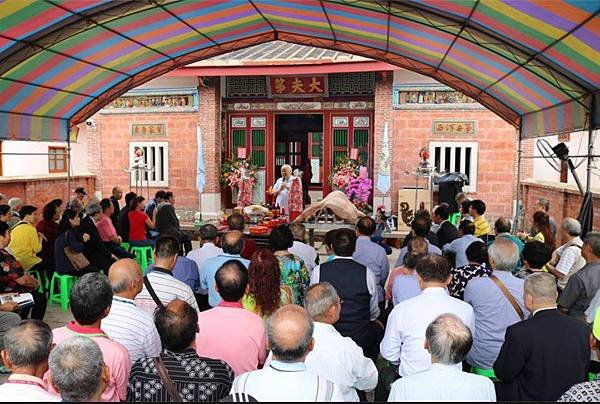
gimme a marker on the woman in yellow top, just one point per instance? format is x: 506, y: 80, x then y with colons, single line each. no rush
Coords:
x: 541, y: 224
x: 25, y: 241
x: 265, y: 293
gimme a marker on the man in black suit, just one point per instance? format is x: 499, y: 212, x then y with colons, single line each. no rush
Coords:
x: 544, y: 356
x: 168, y: 223
x: 117, y: 194
x: 94, y: 249
x: 447, y: 232
x: 123, y: 218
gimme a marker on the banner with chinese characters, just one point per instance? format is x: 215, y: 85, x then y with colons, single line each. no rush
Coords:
x: 298, y: 86
x: 148, y: 129
x: 453, y: 127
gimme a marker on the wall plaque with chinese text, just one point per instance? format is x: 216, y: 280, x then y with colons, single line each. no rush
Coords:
x: 441, y: 127
x: 298, y: 86
x: 148, y: 129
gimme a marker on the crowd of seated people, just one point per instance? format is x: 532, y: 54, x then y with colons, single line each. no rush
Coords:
x: 469, y: 312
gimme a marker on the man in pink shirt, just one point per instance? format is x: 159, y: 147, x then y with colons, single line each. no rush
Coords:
x: 107, y: 231
x: 228, y: 331
x: 91, y: 298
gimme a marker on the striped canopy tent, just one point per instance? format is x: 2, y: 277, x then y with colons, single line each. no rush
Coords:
x: 535, y: 63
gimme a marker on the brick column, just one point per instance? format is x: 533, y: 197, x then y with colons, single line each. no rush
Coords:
x: 93, y: 135
x: 210, y: 125
x: 383, y: 113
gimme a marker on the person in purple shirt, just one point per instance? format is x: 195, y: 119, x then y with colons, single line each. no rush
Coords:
x: 371, y: 254
x: 185, y: 270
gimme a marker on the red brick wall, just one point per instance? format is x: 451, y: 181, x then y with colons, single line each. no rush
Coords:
x: 210, y: 125
x: 40, y: 191
x: 564, y: 202
x: 496, y: 183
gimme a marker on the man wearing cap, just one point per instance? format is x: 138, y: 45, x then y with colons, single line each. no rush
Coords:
x: 78, y: 198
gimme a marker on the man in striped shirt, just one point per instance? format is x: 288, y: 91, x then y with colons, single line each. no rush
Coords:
x: 165, y: 286
x: 126, y: 323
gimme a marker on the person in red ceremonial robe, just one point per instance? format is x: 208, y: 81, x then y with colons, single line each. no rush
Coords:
x: 244, y: 189
x: 295, y: 197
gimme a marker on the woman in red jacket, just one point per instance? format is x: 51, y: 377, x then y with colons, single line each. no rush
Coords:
x: 138, y: 222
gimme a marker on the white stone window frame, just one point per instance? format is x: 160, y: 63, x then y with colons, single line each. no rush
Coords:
x: 153, y: 161
x: 474, y: 159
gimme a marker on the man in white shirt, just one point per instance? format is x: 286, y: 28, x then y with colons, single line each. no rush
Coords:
x: 567, y: 259
x: 28, y: 346
x: 335, y: 357
x: 281, y: 188
x: 405, y: 331
x: 207, y: 250
x: 357, y: 287
x: 126, y: 323
x: 161, y: 279
x: 300, y: 248
x: 286, y: 378
x: 448, y: 340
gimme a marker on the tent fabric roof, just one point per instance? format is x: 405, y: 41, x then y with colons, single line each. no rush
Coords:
x: 534, y: 63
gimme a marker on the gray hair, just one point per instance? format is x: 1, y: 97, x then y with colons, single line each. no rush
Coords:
x: 28, y: 343
x: 572, y: 226
x: 542, y: 286
x: 14, y: 203
x: 593, y: 240
x: 122, y: 284
x: 93, y: 209
x: 545, y: 203
x: 449, y: 339
x: 286, y: 346
x: 76, y: 368
x: 319, y: 298
x: 505, y: 254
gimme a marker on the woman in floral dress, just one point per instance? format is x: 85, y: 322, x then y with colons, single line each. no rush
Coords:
x: 293, y: 271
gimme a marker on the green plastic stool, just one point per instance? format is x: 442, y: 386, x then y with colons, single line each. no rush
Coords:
x: 143, y: 256
x: 489, y: 373
x: 592, y: 376
x: 125, y: 245
x: 455, y: 218
x: 42, y: 283
x: 64, y: 284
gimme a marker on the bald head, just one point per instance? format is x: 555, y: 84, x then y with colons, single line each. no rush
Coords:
x: 231, y: 279
x: 502, y: 225
x: 125, y: 276
x: 289, y: 331
x: 177, y: 325
x: 28, y: 344
x: 233, y: 242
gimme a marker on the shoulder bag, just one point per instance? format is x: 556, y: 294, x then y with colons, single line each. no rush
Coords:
x: 508, y: 296
x: 152, y: 292
x: 78, y: 260
x: 166, y: 379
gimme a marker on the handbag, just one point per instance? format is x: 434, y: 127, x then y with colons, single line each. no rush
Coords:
x: 78, y: 260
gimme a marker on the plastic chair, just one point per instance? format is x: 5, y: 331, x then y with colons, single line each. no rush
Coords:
x: 42, y: 283
x: 143, y: 256
x: 64, y: 284
x: 489, y: 373
x: 125, y: 245
x: 455, y: 218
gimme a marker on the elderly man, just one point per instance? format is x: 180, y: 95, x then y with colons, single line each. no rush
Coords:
x: 161, y: 287
x: 582, y: 287
x: 233, y: 244
x: 544, y: 356
x: 28, y: 345
x: 371, y: 254
x: 78, y: 370
x: 94, y: 249
x: 123, y: 217
x: 115, y: 197
x: 300, y: 248
x: 207, y: 250
x: 458, y: 247
x: 236, y: 222
x: 126, y: 323
x: 405, y: 331
x: 248, y: 350
x: 15, y: 206
x: 335, y: 357
x: 497, y: 302
x: 91, y: 299
x: 448, y: 340
x: 567, y: 259
x: 281, y: 188
x: 357, y: 287
x: 287, y: 379
x: 195, y: 378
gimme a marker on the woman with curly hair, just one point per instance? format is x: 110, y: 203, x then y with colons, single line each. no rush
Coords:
x: 265, y: 293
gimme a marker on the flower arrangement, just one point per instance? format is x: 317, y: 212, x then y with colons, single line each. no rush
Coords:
x: 358, y: 191
x: 344, y: 172
x: 234, y: 170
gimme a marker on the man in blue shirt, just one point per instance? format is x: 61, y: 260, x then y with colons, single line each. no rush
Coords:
x: 233, y: 244
x: 371, y: 254
x: 502, y: 228
x: 459, y: 246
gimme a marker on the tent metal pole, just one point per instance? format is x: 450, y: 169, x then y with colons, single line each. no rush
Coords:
x: 68, y: 166
x: 518, y: 208
x: 590, y: 158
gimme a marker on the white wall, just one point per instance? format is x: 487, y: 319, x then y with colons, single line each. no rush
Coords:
x: 38, y: 165
x: 577, y: 145
x: 171, y: 82
x: 405, y: 77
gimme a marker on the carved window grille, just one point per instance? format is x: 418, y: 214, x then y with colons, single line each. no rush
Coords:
x: 246, y: 86
x: 352, y: 84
